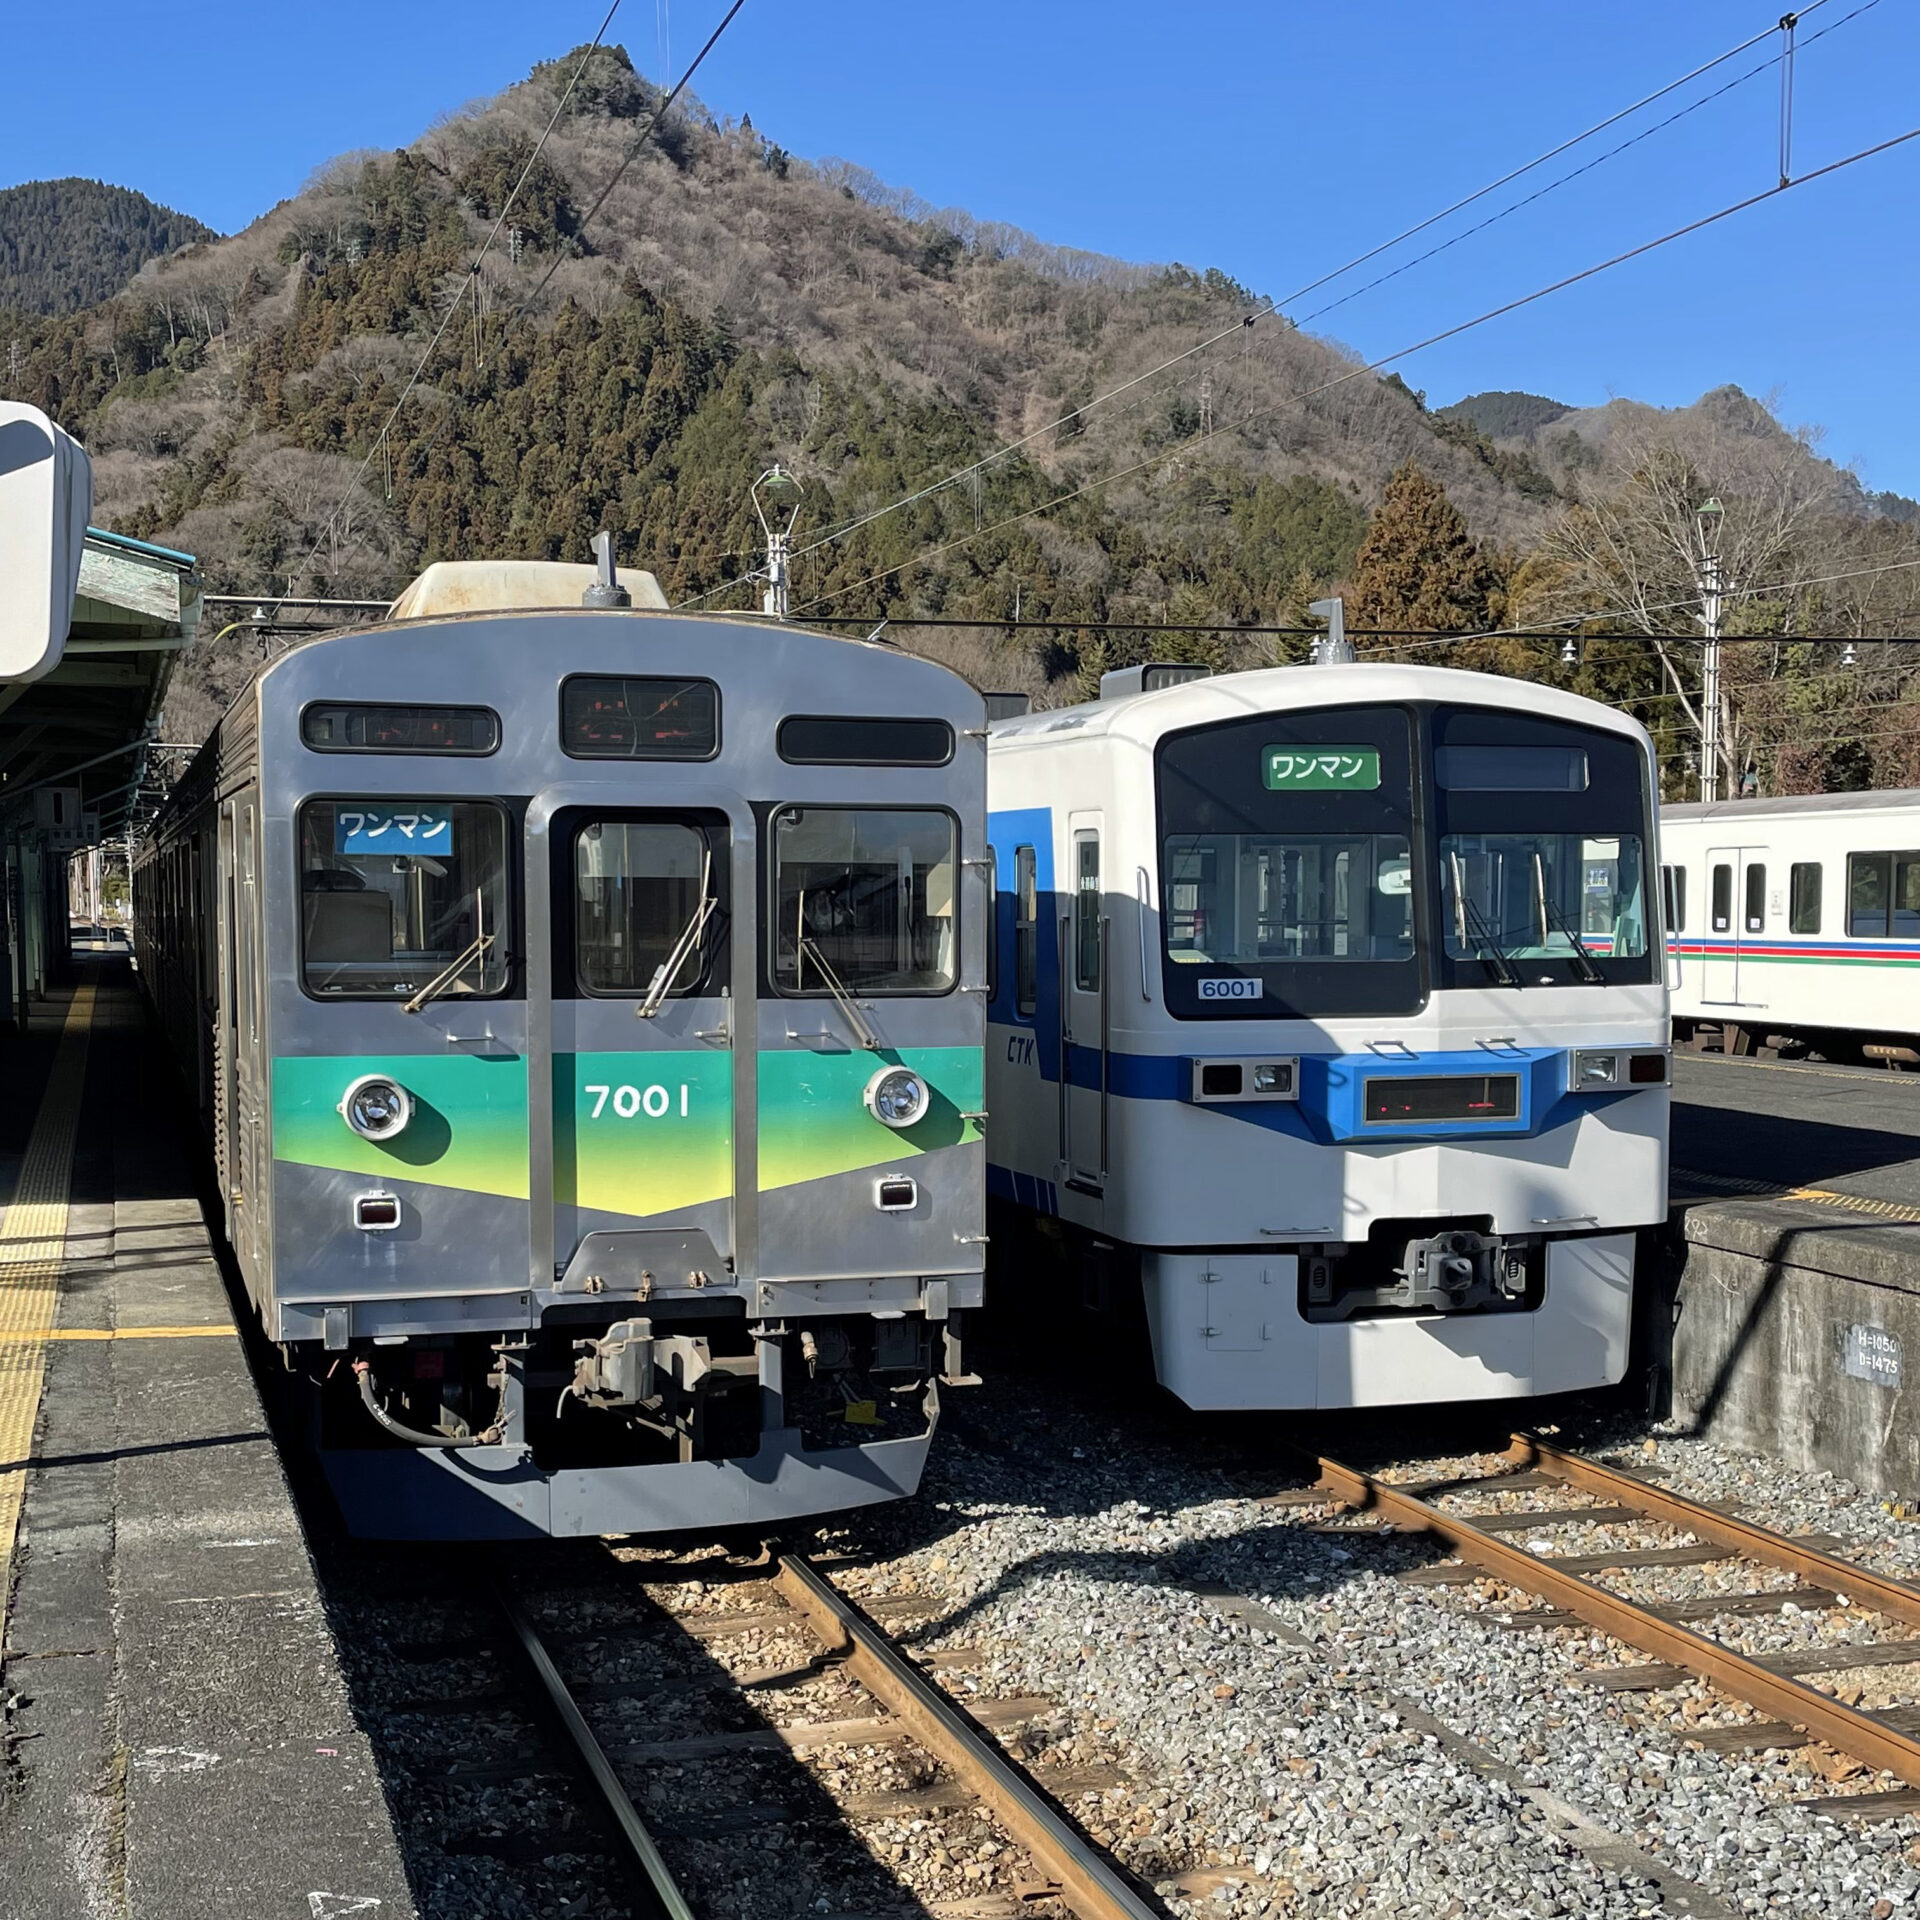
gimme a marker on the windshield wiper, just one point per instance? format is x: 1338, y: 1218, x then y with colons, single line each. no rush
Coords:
x: 476, y: 949
x: 668, y: 970
x: 806, y: 947
x: 444, y: 979
x: 1465, y: 912
x: 1551, y: 920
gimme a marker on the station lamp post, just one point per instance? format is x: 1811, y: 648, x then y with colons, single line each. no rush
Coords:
x: 1708, y: 517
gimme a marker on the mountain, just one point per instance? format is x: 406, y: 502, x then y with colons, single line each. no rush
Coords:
x: 730, y: 305
x: 1505, y: 416
x: 72, y: 243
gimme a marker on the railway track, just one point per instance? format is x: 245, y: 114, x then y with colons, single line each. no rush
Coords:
x: 1544, y: 1489
x: 687, y: 1740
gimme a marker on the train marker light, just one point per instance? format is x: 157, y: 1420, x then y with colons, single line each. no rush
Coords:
x: 1648, y: 1070
x: 376, y: 1108
x: 897, y: 1097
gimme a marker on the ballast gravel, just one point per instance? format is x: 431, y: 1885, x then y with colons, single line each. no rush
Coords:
x: 1084, y: 1557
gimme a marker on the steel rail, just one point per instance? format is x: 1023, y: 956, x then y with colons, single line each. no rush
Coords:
x: 1843, y: 1728
x: 1879, y: 1591
x: 1087, y: 1879
x: 672, y: 1903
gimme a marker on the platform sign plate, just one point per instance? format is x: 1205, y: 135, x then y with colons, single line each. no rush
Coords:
x: 1320, y: 769
x: 380, y: 827
x: 1872, y: 1354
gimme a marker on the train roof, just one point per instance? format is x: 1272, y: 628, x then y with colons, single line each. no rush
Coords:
x: 1882, y: 800
x: 1144, y: 717
x: 500, y: 586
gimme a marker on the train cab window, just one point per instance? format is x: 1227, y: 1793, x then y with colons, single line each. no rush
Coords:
x: 1287, y: 881
x: 1026, y: 931
x: 1883, y: 896
x: 398, y: 895
x: 1086, y: 912
x: 645, y: 897
x: 1756, y: 913
x: 863, y: 900
x: 1723, y: 898
x: 1803, y: 897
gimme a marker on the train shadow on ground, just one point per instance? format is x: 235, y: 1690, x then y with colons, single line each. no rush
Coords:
x: 1749, y: 1145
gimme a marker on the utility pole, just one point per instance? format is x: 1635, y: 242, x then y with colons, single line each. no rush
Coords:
x: 1709, y: 518
x: 774, y: 492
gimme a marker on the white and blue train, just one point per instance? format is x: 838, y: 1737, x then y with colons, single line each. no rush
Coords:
x: 1328, y: 1007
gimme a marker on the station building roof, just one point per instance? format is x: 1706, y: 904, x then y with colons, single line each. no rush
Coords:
x: 86, y: 723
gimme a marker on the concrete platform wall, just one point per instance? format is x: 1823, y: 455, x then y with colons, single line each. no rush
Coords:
x: 1797, y: 1333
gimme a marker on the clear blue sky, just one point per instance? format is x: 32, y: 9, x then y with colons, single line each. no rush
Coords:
x: 1267, y: 137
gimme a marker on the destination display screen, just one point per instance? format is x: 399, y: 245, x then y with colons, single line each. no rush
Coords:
x: 1320, y: 769
x: 391, y: 729
x: 1393, y: 1100
x: 636, y: 717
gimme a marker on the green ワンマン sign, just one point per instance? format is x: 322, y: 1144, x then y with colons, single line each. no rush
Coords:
x: 1320, y: 769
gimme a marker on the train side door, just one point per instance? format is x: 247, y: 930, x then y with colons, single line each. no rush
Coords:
x: 227, y: 1141
x: 646, y: 991
x: 1736, y: 921
x: 1086, y: 942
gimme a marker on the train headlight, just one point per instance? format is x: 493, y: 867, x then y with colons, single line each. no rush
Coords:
x: 897, y: 1097
x: 1594, y: 1070
x: 376, y: 1108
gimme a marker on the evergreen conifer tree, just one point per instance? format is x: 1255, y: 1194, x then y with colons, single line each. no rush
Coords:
x: 1418, y: 566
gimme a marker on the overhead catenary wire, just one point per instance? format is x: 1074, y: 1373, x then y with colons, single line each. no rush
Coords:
x: 1273, y: 306
x: 1386, y: 360
x: 1783, y: 60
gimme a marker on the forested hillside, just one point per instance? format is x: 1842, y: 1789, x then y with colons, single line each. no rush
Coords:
x: 732, y: 305
x: 70, y: 243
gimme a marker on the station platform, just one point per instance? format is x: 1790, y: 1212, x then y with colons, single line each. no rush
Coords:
x: 1796, y: 1302
x: 175, y: 1736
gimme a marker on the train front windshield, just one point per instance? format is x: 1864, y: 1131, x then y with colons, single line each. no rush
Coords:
x: 1345, y: 861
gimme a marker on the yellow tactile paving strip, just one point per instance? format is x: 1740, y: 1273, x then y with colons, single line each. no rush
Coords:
x: 33, y: 1238
x: 1897, y: 1211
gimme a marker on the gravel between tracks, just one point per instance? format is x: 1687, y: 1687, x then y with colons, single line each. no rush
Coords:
x: 1067, y: 1545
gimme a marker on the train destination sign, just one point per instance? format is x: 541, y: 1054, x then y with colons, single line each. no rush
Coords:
x: 391, y: 829
x: 1321, y: 769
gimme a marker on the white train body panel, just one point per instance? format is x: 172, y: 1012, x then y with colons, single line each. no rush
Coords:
x: 1223, y: 1199
x: 1798, y: 914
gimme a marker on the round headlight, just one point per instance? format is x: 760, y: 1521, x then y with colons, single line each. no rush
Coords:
x: 897, y: 1097
x: 375, y: 1107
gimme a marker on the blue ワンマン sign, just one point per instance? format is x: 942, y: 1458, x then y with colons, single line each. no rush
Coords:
x: 368, y: 828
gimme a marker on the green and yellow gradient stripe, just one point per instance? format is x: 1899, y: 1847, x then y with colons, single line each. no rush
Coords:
x: 635, y: 1134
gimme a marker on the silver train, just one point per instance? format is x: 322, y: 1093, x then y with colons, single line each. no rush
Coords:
x: 1329, y: 1026
x: 585, y: 1007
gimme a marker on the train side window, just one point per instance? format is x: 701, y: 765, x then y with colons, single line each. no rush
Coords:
x: 1756, y: 915
x: 1803, y: 903
x: 399, y: 894
x: 1026, y: 931
x: 1673, y: 897
x: 1723, y: 899
x: 1086, y: 912
x: 1906, y: 896
x: 639, y: 892
x: 1869, y: 877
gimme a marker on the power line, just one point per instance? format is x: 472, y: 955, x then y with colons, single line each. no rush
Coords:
x: 466, y: 284
x: 1270, y: 307
x: 1781, y: 60
x: 1374, y: 366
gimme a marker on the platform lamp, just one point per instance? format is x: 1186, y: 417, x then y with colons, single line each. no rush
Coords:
x: 1708, y: 517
